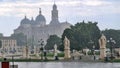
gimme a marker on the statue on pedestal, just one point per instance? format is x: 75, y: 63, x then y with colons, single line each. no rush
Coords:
x: 66, y: 48
x: 2, y: 53
x: 55, y: 52
x: 37, y: 50
x: 102, y: 44
x: 25, y: 52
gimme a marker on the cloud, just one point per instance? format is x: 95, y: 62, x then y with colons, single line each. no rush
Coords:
x: 79, y: 7
x: 72, y: 10
x: 95, y: 3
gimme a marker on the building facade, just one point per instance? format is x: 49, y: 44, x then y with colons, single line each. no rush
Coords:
x: 38, y: 29
x: 8, y: 44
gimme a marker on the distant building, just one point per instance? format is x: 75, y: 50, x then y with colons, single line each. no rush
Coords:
x: 8, y: 44
x: 38, y: 29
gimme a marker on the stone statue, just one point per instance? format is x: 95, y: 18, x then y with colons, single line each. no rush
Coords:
x: 102, y: 44
x: 37, y: 50
x: 76, y: 55
x: 2, y: 54
x: 25, y: 52
x: 86, y: 50
x: 55, y: 52
x: 66, y: 48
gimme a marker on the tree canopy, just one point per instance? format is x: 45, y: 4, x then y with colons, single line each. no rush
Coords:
x: 0, y: 44
x: 21, y: 38
x: 111, y: 33
x: 52, y: 40
x: 81, y: 34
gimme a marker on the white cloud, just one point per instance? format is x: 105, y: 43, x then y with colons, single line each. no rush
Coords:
x: 72, y: 10
x: 78, y: 7
x: 95, y: 2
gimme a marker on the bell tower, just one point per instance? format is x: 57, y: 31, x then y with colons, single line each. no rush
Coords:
x: 54, y: 15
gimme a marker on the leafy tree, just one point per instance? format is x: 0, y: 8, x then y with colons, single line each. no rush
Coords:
x: 1, y: 35
x: 0, y: 44
x: 80, y: 35
x: 52, y: 40
x: 115, y: 34
x: 21, y: 38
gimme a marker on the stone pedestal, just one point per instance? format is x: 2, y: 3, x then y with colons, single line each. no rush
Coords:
x: 102, y: 53
x: 67, y: 54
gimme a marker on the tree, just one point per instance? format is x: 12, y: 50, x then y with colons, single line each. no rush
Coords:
x: 80, y: 35
x: 111, y: 33
x: 1, y: 35
x: 21, y: 39
x: 52, y: 40
x: 0, y: 44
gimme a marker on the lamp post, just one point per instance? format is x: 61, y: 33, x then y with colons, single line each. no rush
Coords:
x: 94, y: 52
x: 13, y: 61
x: 91, y: 44
x: 41, y: 48
x: 112, y: 43
x: 92, y: 49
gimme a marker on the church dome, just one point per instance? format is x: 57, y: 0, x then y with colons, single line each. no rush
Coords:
x: 40, y: 18
x: 32, y: 21
x: 25, y: 21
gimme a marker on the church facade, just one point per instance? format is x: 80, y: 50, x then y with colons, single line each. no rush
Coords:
x: 38, y: 29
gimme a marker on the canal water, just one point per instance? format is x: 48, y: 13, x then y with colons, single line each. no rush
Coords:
x: 66, y: 65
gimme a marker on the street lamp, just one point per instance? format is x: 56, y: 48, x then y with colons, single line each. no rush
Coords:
x: 13, y: 61
x: 94, y: 52
x: 91, y: 44
x: 112, y: 43
x: 93, y: 48
x: 41, y: 48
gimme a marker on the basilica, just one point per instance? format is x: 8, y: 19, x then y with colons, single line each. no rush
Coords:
x: 38, y: 29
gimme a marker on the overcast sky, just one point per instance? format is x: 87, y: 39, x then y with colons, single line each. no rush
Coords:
x: 105, y: 12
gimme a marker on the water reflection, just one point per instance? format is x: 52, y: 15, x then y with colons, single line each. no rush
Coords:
x: 66, y: 65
